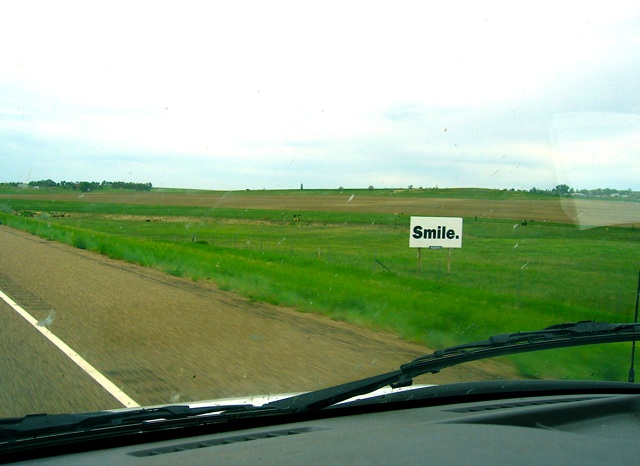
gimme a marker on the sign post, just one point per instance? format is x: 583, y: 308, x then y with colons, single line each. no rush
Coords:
x: 435, y: 233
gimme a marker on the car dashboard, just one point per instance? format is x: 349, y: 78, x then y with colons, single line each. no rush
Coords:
x: 583, y: 426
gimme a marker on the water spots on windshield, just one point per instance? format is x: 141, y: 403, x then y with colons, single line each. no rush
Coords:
x: 473, y: 324
x: 48, y: 320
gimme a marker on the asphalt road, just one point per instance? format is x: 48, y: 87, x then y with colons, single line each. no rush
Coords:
x: 159, y: 338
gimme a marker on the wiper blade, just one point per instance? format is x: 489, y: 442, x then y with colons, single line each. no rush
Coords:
x: 44, y: 425
x: 574, y: 331
x: 556, y: 336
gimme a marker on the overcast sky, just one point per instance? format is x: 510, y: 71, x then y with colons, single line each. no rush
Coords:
x: 236, y: 95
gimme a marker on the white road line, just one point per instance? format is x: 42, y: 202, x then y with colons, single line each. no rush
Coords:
x: 75, y: 357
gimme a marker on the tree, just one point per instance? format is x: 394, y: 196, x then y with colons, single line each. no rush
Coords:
x: 43, y: 183
x: 561, y: 190
x: 85, y: 186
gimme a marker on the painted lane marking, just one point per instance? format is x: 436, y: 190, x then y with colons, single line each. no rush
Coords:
x: 71, y: 354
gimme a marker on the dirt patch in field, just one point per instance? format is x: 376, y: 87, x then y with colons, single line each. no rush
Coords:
x: 175, y: 219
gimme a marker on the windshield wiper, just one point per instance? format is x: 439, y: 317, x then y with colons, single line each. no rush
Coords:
x: 556, y: 336
x: 49, y: 425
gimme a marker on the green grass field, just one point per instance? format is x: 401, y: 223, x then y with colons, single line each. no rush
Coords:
x: 357, y: 266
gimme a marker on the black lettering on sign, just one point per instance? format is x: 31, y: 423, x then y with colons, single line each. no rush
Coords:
x: 429, y: 233
x: 434, y: 233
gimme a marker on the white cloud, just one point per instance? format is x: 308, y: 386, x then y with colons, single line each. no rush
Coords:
x: 606, y: 144
x: 348, y: 88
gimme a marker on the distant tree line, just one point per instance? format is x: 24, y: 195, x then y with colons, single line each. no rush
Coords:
x: 87, y: 186
x: 565, y: 190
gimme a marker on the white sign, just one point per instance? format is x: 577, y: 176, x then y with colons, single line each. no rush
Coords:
x: 435, y: 232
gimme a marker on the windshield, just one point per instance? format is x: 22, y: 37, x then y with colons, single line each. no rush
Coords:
x: 202, y: 201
